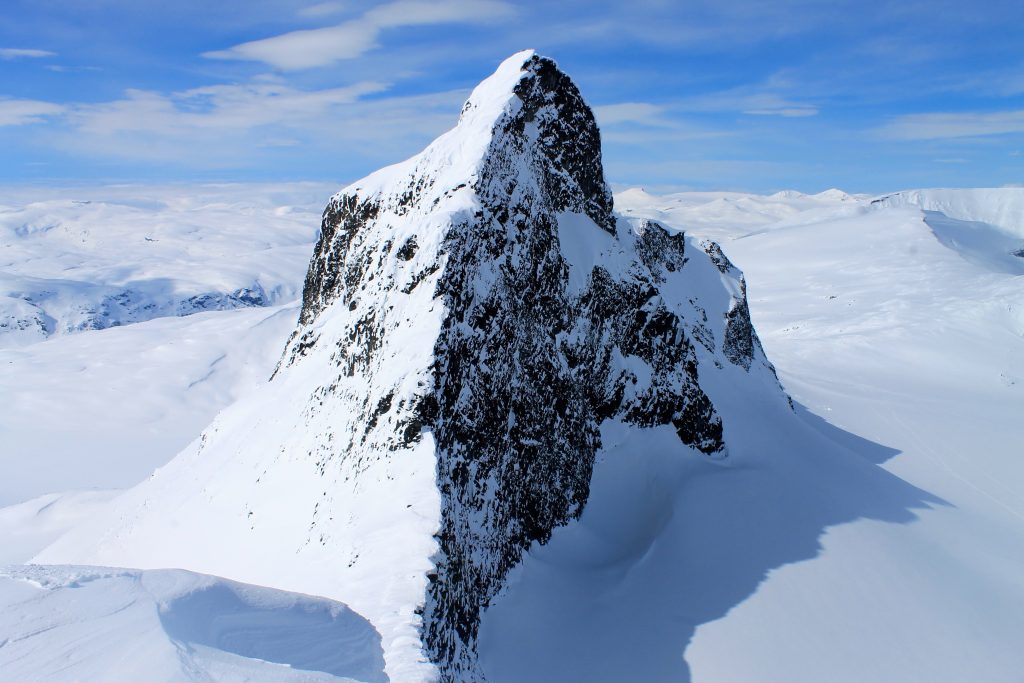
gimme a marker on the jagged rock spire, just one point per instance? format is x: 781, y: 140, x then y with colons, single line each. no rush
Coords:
x: 526, y: 361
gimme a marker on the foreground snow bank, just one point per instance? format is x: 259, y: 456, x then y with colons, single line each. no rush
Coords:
x: 68, y: 623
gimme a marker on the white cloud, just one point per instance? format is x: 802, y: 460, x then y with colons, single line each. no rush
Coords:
x: 226, y: 126
x: 323, y: 9
x: 940, y: 125
x: 21, y: 112
x: 62, y: 69
x: 750, y: 101
x: 215, y: 107
x: 322, y: 46
x: 789, y: 112
x: 24, y: 53
x: 305, y: 49
x: 630, y: 112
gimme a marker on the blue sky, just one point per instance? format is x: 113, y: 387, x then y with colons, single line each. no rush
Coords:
x: 732, y: 94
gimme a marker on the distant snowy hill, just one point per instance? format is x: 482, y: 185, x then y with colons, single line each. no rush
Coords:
x: 113, y: 257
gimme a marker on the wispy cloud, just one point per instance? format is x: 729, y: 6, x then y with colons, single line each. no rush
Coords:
x: 228, y: 126
x: 631, y: 112
x: 21, y: 112
x: 645, y: 124
x: 324, y: 9
x: 215, y: 107
x: 942, y: 125
x: 788, y: 112
x: 24, y: 53
x: 750, y: 100
x: 64, y: 69
x: 323, y: 46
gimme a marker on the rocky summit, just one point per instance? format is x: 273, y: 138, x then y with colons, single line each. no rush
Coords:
x: 537, y: 345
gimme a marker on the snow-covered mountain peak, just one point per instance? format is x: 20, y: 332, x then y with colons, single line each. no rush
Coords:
x: 491, y: 97
x: 474, y: 322
x: 527, y: 119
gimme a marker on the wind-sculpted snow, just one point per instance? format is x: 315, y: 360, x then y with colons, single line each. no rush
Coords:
x: 175, y: 626
x: 985, y: 226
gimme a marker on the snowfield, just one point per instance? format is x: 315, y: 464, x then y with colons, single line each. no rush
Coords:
x: 103, y: 409
x: 879, y: 536
x: 98, y: 258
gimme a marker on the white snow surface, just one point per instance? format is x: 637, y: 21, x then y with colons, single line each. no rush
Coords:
x: 72, y: 624
x: 102, y: 409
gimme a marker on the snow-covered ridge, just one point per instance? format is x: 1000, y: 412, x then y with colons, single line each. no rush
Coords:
x: 984, y: 225
x: 1001, y: 207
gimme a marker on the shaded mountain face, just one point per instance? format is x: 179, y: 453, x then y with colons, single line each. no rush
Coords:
x: 538, y: 315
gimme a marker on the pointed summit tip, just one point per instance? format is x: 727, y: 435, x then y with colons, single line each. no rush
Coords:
x: 489, y: 98
x: 528, y: 103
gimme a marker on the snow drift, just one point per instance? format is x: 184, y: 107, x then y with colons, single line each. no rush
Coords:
x: 174, y: 626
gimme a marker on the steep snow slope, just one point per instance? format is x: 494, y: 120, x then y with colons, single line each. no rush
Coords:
x: 478, y: 330
x: 118, y: 255
x: 102, y: 409
x: 70, y: 624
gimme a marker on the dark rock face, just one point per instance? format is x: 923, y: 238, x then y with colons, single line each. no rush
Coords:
x: 740, y: 341
x: 738, y: 345
x: 526, y: 366
x: 328, y: 270
x: 567, y: 137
